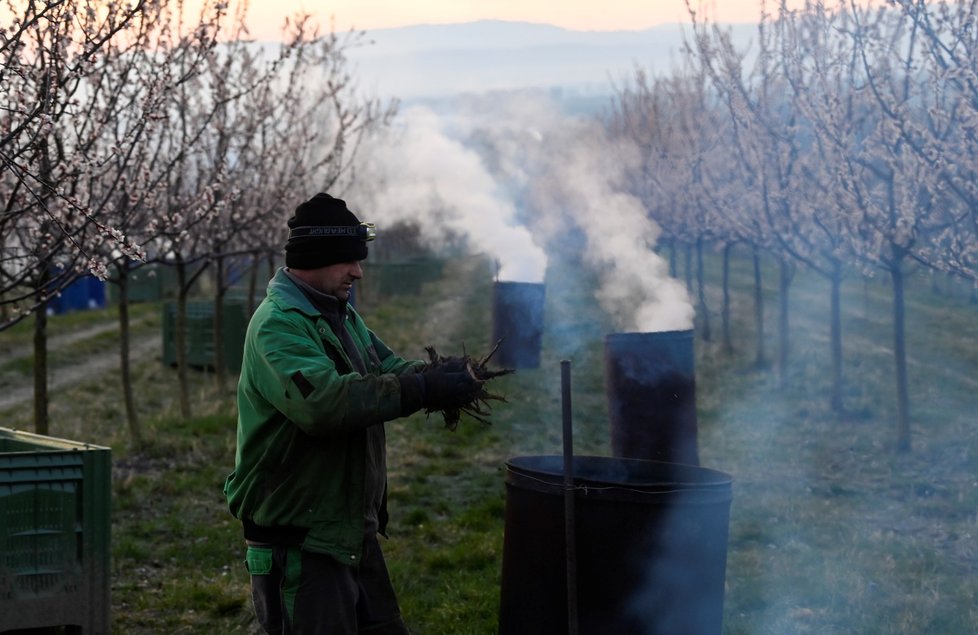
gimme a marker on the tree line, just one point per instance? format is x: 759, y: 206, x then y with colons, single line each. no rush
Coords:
x: 138, y: 133
x: 842, y: 140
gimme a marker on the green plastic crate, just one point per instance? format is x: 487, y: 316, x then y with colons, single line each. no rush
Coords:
x: 386, y: 278
x: 200, y: 334
x: 148, y: 283
x: 55, y: 525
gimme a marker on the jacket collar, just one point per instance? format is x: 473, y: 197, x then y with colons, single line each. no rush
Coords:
x: 331, y: 307
x: 287, y: 296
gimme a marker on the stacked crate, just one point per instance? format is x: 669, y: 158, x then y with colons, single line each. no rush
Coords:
x: 54, y: 533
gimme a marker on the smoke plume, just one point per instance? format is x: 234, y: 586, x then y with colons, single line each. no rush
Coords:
x: 515, y: 174
x: 420, y: 174
x: 588, y: 182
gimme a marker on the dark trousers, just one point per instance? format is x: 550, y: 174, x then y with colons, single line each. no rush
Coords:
x: 301, y: 593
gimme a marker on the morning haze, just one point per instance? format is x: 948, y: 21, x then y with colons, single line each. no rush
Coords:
x: 440, y: 60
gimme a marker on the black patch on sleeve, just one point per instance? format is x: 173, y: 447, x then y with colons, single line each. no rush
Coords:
x: 303, y: 384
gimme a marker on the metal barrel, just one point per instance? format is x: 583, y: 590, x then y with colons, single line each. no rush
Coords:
x: 650, y: 386
x: 517, y: 320
x: 651, y: 542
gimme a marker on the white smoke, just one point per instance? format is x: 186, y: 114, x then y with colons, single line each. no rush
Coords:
x: 418, y: 173
x: 573, y: 175
x: 636, y: 287
x: 463, y: 173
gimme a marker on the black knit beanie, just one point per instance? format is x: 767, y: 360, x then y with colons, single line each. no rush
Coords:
x: 318, y: 238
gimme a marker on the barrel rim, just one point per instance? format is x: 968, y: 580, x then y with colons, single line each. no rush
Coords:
x: 554, y: 468
x: 667, y: 334
x: 541, y: 285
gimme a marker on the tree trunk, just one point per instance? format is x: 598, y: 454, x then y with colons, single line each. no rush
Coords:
x: 252, y: 283
x: 900, y: 357
x: 125, y: 336
x: 835, y: 338
x: 689, y: 268
x: 218, y: 328
x: 180, y: 339
x: 41, y: 415
x: 725, y: 310
x: 704, y: 310
x: 760, y: 361
x: 935, y: 282
x: 786, y: 273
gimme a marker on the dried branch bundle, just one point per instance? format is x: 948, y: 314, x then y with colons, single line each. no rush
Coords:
x: 479, y: 408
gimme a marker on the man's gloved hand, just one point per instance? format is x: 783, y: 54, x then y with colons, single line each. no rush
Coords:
x: 445, y: 389
x: 454, y: 364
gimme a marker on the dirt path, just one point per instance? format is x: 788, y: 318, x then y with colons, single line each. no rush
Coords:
x: 21, y: 393
x: 55, y: 342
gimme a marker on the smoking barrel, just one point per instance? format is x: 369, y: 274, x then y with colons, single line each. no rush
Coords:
x: 650, y: 386
x: 517, y: 323
x: 651, y: 545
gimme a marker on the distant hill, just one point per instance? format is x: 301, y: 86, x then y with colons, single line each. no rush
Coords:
x: 432, y: 61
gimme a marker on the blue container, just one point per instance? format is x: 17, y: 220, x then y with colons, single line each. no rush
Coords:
x: 87, y: 292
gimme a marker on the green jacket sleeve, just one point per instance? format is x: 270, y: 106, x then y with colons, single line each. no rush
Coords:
x: 300, y: 381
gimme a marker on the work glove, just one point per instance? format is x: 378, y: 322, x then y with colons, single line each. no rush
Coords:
x: 446, y: 389
x: 412, y: 393
x: 454, y: 364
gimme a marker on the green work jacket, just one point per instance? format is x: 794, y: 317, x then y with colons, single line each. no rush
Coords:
x: 302, y: 417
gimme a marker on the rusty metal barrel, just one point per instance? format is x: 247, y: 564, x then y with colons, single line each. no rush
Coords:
x: 517, y: 320
x: 650, y: 541
x: 650, y: 386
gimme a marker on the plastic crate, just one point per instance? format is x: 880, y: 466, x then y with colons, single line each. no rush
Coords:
x: 55, y: 525
x: 148, y: 283
x: 386, y: 278
x: 200, y: 334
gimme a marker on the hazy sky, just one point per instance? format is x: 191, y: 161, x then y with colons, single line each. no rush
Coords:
x: 599, y: 15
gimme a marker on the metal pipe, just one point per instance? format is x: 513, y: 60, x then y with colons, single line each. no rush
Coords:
x: 569, y: 530
x: 651, y: 390
x: 517, y: 323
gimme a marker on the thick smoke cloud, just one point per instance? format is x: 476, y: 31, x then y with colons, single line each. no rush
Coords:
x: 586, y: 181
x: 515, y: 175
x: 418, y: 173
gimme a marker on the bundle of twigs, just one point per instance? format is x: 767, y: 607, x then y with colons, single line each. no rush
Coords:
x: 479, y: 408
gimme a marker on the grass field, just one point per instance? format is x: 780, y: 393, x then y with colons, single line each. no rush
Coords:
x: 831, y: 531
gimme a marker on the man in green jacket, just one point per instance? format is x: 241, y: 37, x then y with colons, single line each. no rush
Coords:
x: 310, y: 477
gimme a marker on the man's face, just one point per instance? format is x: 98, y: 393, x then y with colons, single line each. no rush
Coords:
x: 336, y: 280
